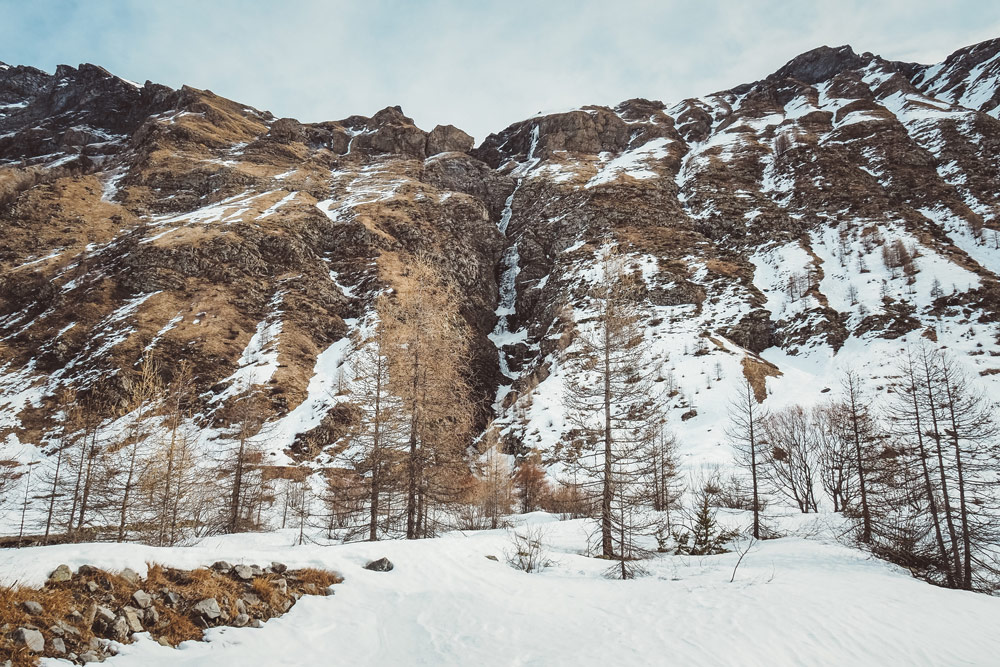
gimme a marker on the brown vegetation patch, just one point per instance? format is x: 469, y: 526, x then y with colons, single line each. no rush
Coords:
x: 756, y: 371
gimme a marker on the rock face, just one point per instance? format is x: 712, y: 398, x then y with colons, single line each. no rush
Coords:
x: 448, y: 138
x: 143, y: 220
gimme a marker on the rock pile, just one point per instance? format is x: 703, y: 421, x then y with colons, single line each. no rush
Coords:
x: 77, y: 616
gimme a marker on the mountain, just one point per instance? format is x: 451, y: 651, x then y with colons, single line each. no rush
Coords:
x: 825, y: 216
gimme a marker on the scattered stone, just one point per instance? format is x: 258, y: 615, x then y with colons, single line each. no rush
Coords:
x: 256, y: 623
x: 68, y: 628
x: 281, y: 585
x: 90, y: 615
x: 285, y: 604
x: 91, y: 656
x: 256, y: 571
x: 104, y: 616
x: 244, y: 572
x: 171, y: 598
x: 278, y: 568
x: 120, y: 628
x: 87, y: 571
x: 142, y: 599
x: 251, y: 598
x: 241, y: 607
x: 209, y: 608
x: 61, y: 573
x: 222, y: 566
x: 152, y: 616
x: 492, y: 557
x: 130, y: 575
x: 58, y: 645
x: 241, y: 620
x: 132, y: 618
x: 380, y: 565
x: 92, y: 586
x: 30, y: 638
x: 32, y: 607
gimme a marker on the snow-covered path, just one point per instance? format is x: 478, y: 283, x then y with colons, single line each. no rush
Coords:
x: 794, y: 602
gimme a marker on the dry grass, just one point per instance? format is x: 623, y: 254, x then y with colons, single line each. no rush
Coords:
x: 66, y: 602
x: 757, y: 371
x: 322, y: 579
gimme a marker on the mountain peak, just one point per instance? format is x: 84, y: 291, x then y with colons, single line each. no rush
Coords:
x: 820, y: 64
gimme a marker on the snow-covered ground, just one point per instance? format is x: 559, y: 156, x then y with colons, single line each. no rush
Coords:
x: 794, y: 601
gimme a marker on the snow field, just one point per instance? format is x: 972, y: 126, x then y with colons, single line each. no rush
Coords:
x: 793, y: 602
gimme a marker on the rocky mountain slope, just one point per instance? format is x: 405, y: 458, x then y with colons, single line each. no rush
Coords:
x: 827, y: 215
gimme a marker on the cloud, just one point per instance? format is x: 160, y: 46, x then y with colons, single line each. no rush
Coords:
x: 478, y: 65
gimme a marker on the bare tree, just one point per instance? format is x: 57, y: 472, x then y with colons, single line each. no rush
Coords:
x: 240, y: 470
x: 744, y: 432
x: 530, y: 484
x: 862, y: 428
x: 837, y: 456
x: 380, y: 433
x: 613, y: 403
x: 428, y: 345
x: 792, y: 456
x: 663, y: 473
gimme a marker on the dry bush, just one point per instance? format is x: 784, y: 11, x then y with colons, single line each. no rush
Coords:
x: 322, y: 579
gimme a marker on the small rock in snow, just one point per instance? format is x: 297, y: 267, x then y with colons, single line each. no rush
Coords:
x: 381, y: 565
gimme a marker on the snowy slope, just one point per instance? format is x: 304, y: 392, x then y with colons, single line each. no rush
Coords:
x: 793, y: 602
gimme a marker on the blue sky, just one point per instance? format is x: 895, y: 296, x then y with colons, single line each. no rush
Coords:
x: 479, y: 65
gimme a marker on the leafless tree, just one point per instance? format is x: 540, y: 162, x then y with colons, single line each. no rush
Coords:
x: 792, y: 456
x: 744, y: 431
x: 613, y: 403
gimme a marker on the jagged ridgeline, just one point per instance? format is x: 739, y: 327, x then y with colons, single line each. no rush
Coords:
x: 837, y: 210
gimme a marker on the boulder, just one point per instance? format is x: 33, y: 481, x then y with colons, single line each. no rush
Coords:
x: 130, y: 575
x: 58, y: 645
x: 209, y: 608
x: 103, y: 616
x: 241, y: 620
x: 61, y: 573
x: 120, y: 628
x: 222, y: 566
x: 142, y: 599
x: 31, y: 639
x: 132, y: 618
x: 244, y: 572
x: 278, y: 568
x: 381, y: 565
x: 32, y: 607
x: 446, y: 139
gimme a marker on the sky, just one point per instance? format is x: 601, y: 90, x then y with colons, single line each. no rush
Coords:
x: 476, y: 64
